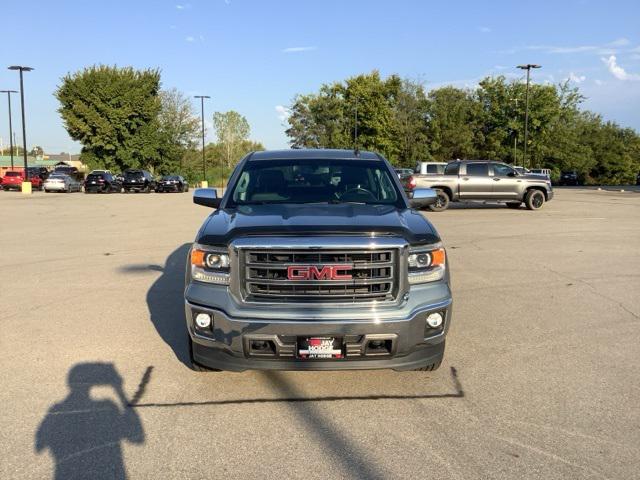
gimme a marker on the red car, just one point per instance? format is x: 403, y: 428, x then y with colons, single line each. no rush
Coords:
x: 13, y: 180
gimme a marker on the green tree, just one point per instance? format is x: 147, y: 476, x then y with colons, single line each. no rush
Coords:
x: 113, y: 113
x: 232, y: 129
x: 178, y: 130
x: 452, y: 122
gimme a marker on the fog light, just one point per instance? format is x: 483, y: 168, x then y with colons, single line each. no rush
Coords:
x: 203, y: 320
x: 434, y: 320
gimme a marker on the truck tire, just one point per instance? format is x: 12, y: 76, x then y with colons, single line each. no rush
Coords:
x: 534, y: 200
x: 196, y: 367
x: 442, y: 202
x: 514, y: 205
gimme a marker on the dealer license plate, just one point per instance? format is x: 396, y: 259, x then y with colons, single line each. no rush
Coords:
x: 320, y: 347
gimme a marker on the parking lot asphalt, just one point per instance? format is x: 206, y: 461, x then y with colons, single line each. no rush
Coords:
x: 540, y: 378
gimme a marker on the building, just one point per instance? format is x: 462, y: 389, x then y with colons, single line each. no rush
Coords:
x: 47, y: 161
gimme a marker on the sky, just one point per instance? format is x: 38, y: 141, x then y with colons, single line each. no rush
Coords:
x: 255, y: 56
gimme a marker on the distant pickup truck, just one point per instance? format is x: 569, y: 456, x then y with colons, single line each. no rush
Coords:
x: 483, y: 180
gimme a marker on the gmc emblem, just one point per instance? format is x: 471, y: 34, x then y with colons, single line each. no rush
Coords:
x: 325, y: 272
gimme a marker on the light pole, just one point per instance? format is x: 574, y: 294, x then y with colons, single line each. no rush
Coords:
x: 528, y: 68
x: 204, y: 168
x: 21, y: 69
x: 515, y: 137
x: 9, y: 92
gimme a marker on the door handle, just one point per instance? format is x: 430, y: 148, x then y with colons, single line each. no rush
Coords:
x: 496, y: 179
x: 465, y: 178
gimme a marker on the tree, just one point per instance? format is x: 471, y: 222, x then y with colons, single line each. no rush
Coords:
x: 178, y: 130
x: 36, y: 151
x: 231, y: 129
x: 452, y: 124
x: 113, y: 113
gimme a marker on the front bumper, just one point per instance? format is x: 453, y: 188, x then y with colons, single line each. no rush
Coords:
x: 227, y: 346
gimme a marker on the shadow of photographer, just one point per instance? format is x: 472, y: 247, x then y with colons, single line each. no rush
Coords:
x: 83, y: 434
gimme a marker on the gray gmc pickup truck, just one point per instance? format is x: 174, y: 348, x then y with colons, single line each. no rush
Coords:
x: 316, y: 260
x: 469, y: 180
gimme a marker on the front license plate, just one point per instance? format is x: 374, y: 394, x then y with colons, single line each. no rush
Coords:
x: 319, y: 347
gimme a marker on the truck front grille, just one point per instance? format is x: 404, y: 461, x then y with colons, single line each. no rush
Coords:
x: 372, y: 272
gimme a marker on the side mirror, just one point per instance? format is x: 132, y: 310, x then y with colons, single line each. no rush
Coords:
x: 423, y: 197
x: 206, y: 197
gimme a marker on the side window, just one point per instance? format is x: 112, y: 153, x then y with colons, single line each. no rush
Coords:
x: 478, y: 169
x: 452, y: 168
x: 432, y: 168
x: 240, y: 193
x: 501, y: 170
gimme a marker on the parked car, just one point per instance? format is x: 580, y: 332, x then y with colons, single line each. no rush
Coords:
x: 315, y: 260
x: 13, y: 181
x: 101, y: 183
x: 138, y: 181
x: 60, y: 182
x: 483, y: 180
x: 402, y: 172
x: 72, y: 172
x: 426, y: 168
x: 569, y: 178
x: 172, y: 183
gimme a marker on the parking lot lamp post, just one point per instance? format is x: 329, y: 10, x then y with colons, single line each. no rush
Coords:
x: 21, y: 69
x: 528, y: 68
x: 204, y: 168
x: 9, y: 92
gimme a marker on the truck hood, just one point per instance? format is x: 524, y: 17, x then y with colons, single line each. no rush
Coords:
x: 223, y: 226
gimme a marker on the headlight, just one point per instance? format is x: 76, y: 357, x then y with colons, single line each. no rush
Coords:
x: 209, y: 266
x: 426, y: 265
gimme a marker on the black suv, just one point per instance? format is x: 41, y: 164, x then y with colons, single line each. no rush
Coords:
x: 102, y: 182
x: 172, y: 183
x: 138, y: 181
x: 569, y: 178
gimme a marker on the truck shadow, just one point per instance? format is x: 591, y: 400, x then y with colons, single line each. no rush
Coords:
x: 165, y: 300
x: 84, y: 434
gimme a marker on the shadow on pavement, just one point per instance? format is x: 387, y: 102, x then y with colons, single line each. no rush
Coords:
x: 290, y: 398
x: 84, y: 434
x: 165, y: 300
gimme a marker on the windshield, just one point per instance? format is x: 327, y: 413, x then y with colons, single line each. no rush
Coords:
x: 133, y: 174
x: 13, y: 174
x: 315, y: 181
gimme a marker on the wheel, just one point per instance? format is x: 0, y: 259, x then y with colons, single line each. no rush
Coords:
x: 534, y: 200
x: 514, y: 205
x: 196, y: 366
x: 442, y: 201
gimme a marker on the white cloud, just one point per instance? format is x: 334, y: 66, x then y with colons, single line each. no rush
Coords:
x: 617, y: 71
x: 576, y: 78
x: 298, y: 49
x: 598, y: 82
x: 610, y: 48
x: 183, y: 6
x: 484, y: 29
x: 190, y: 39
x: 282, y: 112
x: 620, y: 42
